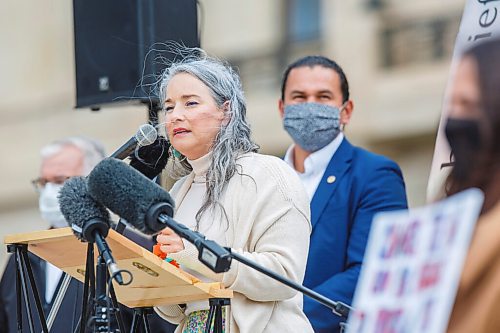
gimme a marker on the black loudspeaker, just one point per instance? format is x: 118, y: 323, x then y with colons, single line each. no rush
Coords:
x: 120, y: 46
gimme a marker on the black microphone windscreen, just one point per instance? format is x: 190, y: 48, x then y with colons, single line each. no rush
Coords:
x: 78, y: 207
x: 150, y: 160
x: 126, y: 192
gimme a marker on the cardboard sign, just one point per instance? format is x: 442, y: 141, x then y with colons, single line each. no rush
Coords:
x: 412, y: 267
x: 480, y: 22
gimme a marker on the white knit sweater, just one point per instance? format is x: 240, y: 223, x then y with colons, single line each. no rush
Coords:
x: 269, y: 223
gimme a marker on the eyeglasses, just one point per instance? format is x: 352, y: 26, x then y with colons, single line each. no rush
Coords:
x: 40, y: 182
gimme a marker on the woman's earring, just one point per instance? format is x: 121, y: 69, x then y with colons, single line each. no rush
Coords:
x: 175, y: 153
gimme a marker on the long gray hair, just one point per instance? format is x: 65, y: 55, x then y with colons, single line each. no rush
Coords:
x: 233, y: 138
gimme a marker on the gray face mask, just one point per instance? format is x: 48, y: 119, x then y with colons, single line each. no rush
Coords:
x: 312, y: 125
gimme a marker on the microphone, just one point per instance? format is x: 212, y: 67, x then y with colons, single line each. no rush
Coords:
x: 88, y: 219
x: 146, y: 135
x: 150, y: 160
x: 148, y: 207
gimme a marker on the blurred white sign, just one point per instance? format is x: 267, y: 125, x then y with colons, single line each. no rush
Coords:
x: 480, y: 22
x: 412, y: 266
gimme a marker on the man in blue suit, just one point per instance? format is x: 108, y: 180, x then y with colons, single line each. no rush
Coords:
x: 347, y: 185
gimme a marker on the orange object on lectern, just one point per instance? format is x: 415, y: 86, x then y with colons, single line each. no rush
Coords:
x: 158, y: 252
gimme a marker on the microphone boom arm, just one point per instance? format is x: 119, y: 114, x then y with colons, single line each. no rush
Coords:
x: 338, y: 308
x: 219, y: 258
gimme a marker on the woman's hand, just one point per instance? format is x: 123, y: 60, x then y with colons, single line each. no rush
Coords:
x: 169, y: 241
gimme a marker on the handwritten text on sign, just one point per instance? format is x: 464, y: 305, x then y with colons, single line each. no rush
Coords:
x: 412, y: 266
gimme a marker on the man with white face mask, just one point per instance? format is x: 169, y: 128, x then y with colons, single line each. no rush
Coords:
x: 62, y: 160
x: 346, y: 184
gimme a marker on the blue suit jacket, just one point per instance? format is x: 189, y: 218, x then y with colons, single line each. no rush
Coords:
x: 341, y: 214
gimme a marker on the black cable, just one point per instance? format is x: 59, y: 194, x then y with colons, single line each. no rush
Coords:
x: 112, y: 277
x: 108, y: 293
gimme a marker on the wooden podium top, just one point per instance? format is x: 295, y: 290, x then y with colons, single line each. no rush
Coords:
x: 155, y: 282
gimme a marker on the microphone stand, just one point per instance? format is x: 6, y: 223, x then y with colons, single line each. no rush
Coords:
x: 218, y: 258
x: 94, y: 294
x: 67, y: 280
x: 338, y: 308
x: 24, y: 279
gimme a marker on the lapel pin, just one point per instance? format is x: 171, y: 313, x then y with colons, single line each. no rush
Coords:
x: 331, y: 179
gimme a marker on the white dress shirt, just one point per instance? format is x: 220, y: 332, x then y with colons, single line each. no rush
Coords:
x: 52, y: 276
x: 315, y: 164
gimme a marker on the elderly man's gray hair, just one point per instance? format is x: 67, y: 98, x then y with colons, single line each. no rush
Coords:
x: 93, y: 151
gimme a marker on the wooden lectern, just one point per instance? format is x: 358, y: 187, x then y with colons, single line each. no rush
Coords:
x: 155, y: 282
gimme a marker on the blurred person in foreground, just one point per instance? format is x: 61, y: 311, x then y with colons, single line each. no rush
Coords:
x: 61, y: 159
x: 250, y: 202
x: 346, y: 184
x: 473, y: 132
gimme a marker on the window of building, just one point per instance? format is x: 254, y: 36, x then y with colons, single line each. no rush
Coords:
x: 304, y: 21
x: 407, y: 43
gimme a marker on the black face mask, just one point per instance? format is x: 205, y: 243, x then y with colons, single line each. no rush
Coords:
x: 464, y: 138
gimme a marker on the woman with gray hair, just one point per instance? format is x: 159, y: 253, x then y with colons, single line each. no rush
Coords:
x: 250, y: 202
